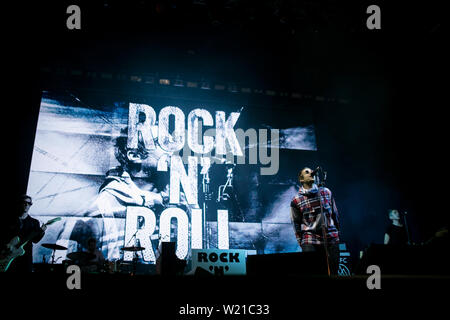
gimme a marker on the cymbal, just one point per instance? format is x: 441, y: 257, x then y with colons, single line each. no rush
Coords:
x: 132, y: 248
x: 81, y: 256
x: 53, y: 246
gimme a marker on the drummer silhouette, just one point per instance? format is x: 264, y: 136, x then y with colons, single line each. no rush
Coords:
x: 92, y: 249
x: 91, y: 260
x: 94, y: 258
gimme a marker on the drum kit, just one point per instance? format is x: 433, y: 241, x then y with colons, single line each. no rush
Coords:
x: 54, y: 247
x: 84, y: 259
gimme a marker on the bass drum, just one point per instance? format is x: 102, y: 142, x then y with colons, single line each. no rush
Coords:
x: 108, y: 267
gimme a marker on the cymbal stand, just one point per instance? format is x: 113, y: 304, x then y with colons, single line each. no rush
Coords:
x: 135, y: 260
x: 53, y: 256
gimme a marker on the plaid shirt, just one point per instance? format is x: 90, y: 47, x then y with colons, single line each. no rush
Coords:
x: 305, y: 216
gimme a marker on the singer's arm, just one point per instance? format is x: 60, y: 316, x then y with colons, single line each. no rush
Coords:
x: 297, y: 228
x: 386, y: 238
x: 335, y: 213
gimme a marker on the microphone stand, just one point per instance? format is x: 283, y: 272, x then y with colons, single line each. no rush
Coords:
x: 135, y: 255
x: 206, y: 198
x: 406, y: 227
x: 324, y: 220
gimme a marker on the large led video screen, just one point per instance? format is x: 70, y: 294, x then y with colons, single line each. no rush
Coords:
x: 138, y: 171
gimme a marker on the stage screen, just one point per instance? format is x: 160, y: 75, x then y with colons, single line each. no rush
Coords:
x: 137, y: 171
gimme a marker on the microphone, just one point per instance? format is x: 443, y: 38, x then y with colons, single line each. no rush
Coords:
x: 314, y: 172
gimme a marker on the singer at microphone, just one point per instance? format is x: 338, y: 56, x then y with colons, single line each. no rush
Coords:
x: 396, y: 233
x: 307, y: 208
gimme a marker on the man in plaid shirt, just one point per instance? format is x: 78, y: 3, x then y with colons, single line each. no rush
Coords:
x: 309, y: 224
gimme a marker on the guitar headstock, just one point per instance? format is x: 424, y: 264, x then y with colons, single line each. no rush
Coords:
x: 49, y: 222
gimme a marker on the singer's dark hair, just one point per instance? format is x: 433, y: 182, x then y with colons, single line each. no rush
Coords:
x: 300, y: 174
x: 390, y: 211
x: 121, y: 147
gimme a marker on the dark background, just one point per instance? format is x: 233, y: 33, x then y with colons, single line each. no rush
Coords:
x: 383, y: 148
